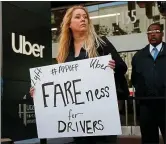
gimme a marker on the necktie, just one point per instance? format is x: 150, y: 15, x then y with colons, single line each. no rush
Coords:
x: 154, y: 52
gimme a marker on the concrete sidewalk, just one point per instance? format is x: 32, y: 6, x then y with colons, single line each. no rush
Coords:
x: 121, y: 140
x: 49, y: 141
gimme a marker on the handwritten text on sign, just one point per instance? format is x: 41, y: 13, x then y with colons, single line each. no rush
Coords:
x: 76, y: 99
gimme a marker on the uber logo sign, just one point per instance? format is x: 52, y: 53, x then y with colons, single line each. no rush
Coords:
x: 25, y: 47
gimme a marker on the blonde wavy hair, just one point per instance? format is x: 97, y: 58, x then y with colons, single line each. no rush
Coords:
x: 92, y: 42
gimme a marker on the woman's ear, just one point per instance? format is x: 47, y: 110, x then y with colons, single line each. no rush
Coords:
x: 69, y: 25
x: 70, y: 28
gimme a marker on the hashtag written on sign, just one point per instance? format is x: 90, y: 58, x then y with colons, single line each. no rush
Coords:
x: 64, y: 69
x: 54, y: 71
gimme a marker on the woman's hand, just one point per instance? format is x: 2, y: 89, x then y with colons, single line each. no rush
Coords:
x: 111, y: 64
x: 32, y: 90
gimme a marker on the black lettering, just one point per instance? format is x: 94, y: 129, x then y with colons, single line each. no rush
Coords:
x: 54, y: 71
x: 69, y: 127
x: 70, y: 113
x: 87, y: 94
x: 106, y: 90
x: 77, y: 126
x: 36, y: 77
x: 66, y: 68
x: 100, y: 123
x: 43, y: 91
x: 78, y: 114
x: 82, y: 126
x: 71, y: 68
x: 96, y: 93
x: 59, y: 128
x: 33, y: 82
x: 76, y: 66
x: 95, y: 64
x: 94, y: 126
x: 98, y: 65
x: 56, y: 93
x: 38, y: 71
x: 61, y: 69
x: 102, y: 91
x: 104, y: 67
x: 92, y: 63
x: 76, y: 93
x: 67, y: 86
x: 87, y: 127
x: 95, y: 123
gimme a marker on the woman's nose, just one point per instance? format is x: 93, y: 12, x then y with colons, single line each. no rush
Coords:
x: 82, y: 19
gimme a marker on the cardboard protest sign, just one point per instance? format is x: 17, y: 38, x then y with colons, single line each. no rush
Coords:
x: 76, y: 99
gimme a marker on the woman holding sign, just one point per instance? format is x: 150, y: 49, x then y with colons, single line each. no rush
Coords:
x: 78, y: 40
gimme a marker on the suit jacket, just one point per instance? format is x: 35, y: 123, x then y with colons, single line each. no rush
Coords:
x: 149, y: 75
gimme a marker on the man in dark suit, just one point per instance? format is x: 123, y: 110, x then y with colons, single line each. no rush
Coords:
x: 148, y: 78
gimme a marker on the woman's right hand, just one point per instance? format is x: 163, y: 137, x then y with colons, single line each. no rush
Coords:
x: 31, y: 92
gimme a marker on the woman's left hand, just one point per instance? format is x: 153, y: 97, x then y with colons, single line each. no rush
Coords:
x: 111, y: 64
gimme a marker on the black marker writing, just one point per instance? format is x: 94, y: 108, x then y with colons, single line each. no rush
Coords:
x: 64, y: 68
x: 95, y: 64
x: 67, y: 86
x: 43, y: 90
x: 37, y: 76
x: 68, y: 68
x: 68, y: 92
x: 38, y: 71
x: 54, y: 71
x: 88, y: 127
x: 60, y: 129
x: 98, y: 94
x: 73, y: 115
x: 56, y: 93
x: 77, y: 92
x: 95, y: 125
x: 85, y: 126
x: 33, y: 82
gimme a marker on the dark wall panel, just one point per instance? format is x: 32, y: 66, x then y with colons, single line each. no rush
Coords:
x: 36, y: 30
x: 18, y: 118
x: 30, y: 23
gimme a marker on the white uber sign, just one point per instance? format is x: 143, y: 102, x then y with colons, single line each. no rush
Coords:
x: 25, y: 47
x: 76, y: 99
